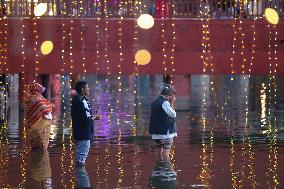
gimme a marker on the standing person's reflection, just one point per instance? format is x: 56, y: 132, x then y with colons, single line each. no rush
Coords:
x: 39, y: 169
x: 82, y: 178
x: 163, y: 176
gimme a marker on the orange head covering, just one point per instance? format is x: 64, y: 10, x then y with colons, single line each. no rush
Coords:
x: 35, y: 88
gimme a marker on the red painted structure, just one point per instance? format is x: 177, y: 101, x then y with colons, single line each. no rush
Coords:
x: 187, y: 51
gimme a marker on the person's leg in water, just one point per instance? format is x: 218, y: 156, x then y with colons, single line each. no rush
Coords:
x: 167, y: 148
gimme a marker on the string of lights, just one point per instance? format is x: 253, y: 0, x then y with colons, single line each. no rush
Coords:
x: 64, y: 108
x: 241, y: 31
x: 119, y: 33
x: 136, y: 13
x: 36, y: 46
x: 71, y: 67
x: 4, y: 62
x: 98, y: 56
x: 253, y: 44
x: 172, y: 56
x: 164, y: 40
x: 82, y: 36
x: 234, y: 173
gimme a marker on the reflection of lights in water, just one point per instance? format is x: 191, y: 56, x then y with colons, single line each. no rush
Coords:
x: 119, y: 161
x: 98, y: 172
x: 234, y: 173
x: 263, y: 105
x: 23, y: 156
x: 63, y: 151
x: 106, y: 168
x: 4, y: 159
x: 272, y: 167
x: 205, y: 174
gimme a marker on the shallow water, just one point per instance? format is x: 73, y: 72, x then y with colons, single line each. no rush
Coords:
x: 230, y: 135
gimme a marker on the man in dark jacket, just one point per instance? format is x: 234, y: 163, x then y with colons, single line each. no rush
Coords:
x: 162, y: 121
x: 82, y: 122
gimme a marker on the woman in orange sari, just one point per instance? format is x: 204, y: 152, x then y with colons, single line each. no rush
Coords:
x: 38, y: 116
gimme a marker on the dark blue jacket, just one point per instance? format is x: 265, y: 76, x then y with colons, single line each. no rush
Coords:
x: 82, y: 124
x: 160, y: 122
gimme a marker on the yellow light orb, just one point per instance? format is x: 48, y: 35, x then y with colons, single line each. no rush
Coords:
x: 46, y: 47
x: 40, y: 9
x: 143, y: 57
x: 271, y: 16
x: 145, y: 21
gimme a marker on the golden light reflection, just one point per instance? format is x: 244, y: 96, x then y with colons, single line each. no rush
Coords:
x: 119, y: 161
x: 98, y: 171
x: 108, y: 164
x: 24, y: 154
x: 63, y: 151
x: 263, y: 103
x: 234, y: 173
x: 4, y: 162
x: 205, y: 176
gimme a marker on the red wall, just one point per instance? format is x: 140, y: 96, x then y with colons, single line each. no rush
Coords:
x: 187, y: 51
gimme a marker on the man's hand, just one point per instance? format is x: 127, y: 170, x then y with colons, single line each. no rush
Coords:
x: 96, y: 117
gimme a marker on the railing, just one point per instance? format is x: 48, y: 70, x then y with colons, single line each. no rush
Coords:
x: 224, y: 9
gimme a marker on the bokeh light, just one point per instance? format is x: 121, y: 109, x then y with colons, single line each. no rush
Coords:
x: 143, y: 57
x: 40, y: 9
x: 46, y: 47
x: 271, y: 16
x: 145, y: 21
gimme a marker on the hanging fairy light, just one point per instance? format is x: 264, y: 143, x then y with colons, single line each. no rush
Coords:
x: 164, y: 41
x: 36, y: 53
x: 82, y: 37
x: 172, y: 56
x: 242, y: 37
x: 23, y: 54
x: 135, y: 6
x: 99, y: 15
x: 253, y: 45
x: 206, y: 55
x: 119, y: 33
x: 145, y: 21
